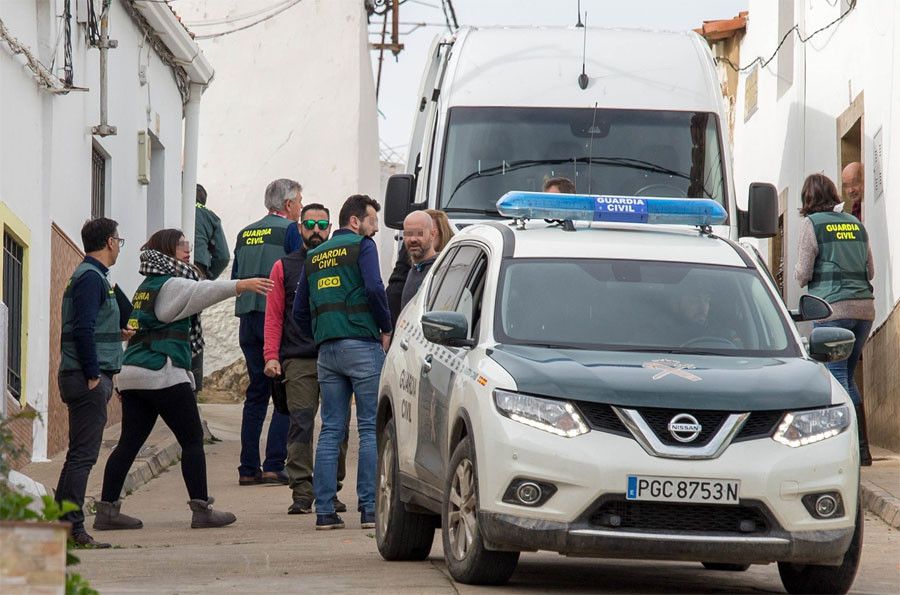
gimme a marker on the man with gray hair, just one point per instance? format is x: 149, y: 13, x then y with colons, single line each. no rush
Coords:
x: 258, y: 247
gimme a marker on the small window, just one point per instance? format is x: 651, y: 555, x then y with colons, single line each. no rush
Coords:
x: 98, y: 183
x: 13, y: 282
x: 447, y: 295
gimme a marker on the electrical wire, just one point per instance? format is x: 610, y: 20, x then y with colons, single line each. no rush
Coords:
x: 68, y: 68
x: 234, y: 19
x: 452, y: 14
x: 253, y: 24
x: 795, y: 29
x: 446, y: 16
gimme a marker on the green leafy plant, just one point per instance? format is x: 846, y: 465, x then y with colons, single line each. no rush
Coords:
x: 15, y: 506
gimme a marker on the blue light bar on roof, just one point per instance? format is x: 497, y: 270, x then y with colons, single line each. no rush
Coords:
x: 618, y: 209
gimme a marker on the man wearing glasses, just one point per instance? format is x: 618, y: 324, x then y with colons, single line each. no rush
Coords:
x: 257, y: 248
x: 291, y: 358
x: 91, y: 353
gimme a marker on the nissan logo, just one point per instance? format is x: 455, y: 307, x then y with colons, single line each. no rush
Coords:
x: 684, y: 427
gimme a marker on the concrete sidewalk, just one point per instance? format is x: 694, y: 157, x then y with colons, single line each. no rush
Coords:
x: 880, y: 485
x: 160, y: 452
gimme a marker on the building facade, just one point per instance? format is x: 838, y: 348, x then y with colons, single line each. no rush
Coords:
x: 60, y: 166
x: 824, y: 99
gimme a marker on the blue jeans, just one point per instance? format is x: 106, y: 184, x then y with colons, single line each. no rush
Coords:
x: 347, y: 367
x: 843, y: 371
x: 257, y: 402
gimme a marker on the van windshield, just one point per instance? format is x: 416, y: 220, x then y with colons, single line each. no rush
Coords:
x: 492, y: 150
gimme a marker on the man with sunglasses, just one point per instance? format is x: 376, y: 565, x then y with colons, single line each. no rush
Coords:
x: 291, y: 353
x: 91, y: 346
x: 341, y: 303
x: 257, y: 248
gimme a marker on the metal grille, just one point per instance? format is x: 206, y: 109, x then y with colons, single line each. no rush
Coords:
x: 98, y: 183
x: 13, y: 282
x: 666, y: 516
x: 601, y: 417
x: 760, y: 424
x: 658, y: 420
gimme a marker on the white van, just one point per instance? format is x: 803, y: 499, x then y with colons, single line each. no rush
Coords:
x: 503, y: 109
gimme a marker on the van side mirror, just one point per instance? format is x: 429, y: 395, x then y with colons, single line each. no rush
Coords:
x: 831, y: 343
x: 811, y: 308
x: 760, y: 220
x: 446, y: 328
x: 398, y: 199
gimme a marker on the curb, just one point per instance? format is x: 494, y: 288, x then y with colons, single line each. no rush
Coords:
x: 150, y: 463
x: 881, y: 503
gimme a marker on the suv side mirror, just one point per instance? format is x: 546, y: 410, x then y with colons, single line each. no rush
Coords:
x: 760, y: 220
x: 398, y: 199
x: 447, y: 328
x: 811, y: 308
x: 831, y: 343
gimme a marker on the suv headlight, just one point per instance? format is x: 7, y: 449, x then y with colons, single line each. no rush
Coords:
x: 800, y: 428
x: 557, y: 417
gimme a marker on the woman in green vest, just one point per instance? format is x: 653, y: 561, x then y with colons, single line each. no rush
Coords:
x: 156, y: 379
x: 835, y: 263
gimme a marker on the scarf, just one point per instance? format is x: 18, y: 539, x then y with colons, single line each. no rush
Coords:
x: 157, y: 263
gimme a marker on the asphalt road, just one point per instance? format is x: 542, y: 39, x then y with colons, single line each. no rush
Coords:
x: 268, y: 551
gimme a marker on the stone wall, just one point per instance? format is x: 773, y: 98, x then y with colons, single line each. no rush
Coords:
x: 881, y: 383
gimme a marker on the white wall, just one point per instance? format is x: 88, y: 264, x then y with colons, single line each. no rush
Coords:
x: 293, y: 98
x: 795, y: 135
x: 45, y: 155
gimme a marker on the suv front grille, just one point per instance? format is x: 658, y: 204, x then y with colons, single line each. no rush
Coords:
x: 600, y: 416
x: 680, y: 517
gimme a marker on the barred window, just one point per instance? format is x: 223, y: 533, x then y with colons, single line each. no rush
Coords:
x: 98, y: 183
x: 13, y: 283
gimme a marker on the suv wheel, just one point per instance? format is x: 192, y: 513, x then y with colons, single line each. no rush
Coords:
x: 467, y: 559
x: 809, y: 578
x: 400, y: 534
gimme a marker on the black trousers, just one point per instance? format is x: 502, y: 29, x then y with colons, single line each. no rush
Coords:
x: 178, y: 409
x: 87, y: 418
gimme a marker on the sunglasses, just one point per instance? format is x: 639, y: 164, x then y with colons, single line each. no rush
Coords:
x: 310, y: 224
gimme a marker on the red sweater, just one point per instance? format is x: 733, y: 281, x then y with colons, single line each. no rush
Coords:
x: 274, y: 314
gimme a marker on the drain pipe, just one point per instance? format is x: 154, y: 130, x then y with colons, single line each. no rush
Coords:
x: 105, y: 43
x: 191, y: 146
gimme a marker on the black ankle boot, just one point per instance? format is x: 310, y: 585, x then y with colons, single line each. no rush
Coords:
x: 865, y: 457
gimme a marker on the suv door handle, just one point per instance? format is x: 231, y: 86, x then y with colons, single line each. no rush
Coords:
x: 426, y: 364
x: 404, y: 344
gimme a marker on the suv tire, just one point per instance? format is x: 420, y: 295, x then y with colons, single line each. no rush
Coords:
x: 467, y: 559
x: 810, y: 578
x: 399, y: 534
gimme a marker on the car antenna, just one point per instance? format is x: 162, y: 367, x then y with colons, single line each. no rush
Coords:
x: 583, y: 77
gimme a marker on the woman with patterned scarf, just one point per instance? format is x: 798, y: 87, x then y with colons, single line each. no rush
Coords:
x: 156, y: 379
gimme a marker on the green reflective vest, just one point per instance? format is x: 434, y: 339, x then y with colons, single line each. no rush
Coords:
x: 107, y: 334
x: 338, y: 305
x: 258, y: 247
x: 840, y: 272
x: 155, y: 340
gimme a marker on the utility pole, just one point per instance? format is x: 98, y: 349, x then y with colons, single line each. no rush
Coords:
x: 105, y: 44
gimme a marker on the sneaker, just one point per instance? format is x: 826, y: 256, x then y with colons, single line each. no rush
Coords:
x: 339, y: 506
x: 250, y: 480
x: 325, y: 522
x: 301, y: 506
x: 274, y: 477
x: 85, y: 541
x: 367, y: 520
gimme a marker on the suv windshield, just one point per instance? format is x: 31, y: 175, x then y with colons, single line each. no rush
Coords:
x: 632, y: 305
x: 492, y: 150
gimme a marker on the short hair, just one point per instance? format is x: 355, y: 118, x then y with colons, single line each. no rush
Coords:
x: 95, y: 232
x: 442, y: 224
x: 818, y: 194
x: 356, y: 206
x: 164, y: 240
x: 279, y: 191
x: 314, y: 206
x: 565, y: 185
x: 201, y: 194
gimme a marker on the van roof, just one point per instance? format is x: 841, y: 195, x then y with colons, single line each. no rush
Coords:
x: 539, y: 67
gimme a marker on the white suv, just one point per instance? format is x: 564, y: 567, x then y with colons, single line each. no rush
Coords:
x: 620, y: 390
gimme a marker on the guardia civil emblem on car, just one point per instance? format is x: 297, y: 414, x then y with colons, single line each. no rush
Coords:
x: 684, y: 427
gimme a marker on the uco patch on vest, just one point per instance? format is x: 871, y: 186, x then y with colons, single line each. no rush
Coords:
x: 329, y: 282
